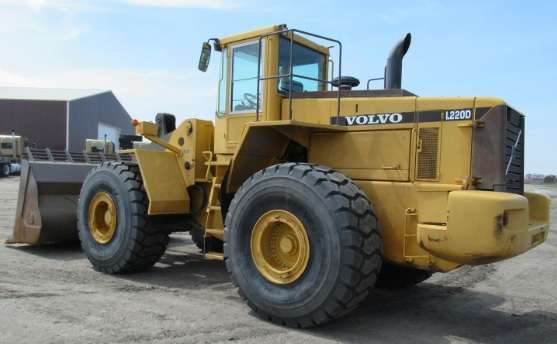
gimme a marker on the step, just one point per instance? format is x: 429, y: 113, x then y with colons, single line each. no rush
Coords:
x: 217, y: 233
x: 217, y: 163
x: 214, y: 231
x: 214, y: 256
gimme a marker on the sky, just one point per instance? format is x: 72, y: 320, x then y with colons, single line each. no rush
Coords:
x: 146, y: 51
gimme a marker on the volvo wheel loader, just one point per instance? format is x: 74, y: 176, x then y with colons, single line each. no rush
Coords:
x: 312, y: 192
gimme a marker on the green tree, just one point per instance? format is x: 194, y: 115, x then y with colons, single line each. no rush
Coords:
x: 550, y: 179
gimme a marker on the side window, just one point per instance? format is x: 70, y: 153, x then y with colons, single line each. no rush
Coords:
x: 244, y: 77
x: 223, y: 82
x: 306, y: 63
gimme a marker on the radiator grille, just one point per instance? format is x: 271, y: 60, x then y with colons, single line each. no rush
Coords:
x: 514, y: 152
x: 428, y: 156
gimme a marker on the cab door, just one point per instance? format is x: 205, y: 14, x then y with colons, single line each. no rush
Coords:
x: 238, y: 93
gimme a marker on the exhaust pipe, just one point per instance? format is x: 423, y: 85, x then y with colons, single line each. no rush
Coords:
x: 393, y: 69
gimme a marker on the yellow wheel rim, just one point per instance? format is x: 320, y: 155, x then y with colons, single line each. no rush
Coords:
x: 102, y: 218
x: 280, y: 246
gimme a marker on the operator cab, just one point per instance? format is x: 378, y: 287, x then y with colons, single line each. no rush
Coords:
x: 258, y: 70
x: 261, y: 71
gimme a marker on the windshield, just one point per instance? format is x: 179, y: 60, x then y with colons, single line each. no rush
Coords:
x: 306, y: 62
x: 244, y: 77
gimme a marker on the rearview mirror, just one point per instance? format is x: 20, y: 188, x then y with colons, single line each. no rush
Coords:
x: 205, y: 56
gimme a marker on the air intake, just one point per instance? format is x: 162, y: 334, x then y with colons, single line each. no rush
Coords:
x: 428, y: 156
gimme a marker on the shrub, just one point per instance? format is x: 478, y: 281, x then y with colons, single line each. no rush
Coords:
x: 550, y: 179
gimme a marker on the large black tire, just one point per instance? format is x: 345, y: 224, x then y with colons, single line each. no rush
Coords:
x: 400, y: 277
x: 137, y: 244
x: 209, y: 244
x: 344, y: 239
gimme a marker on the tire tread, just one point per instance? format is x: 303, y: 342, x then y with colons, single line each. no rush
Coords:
x: 148, y: 244
x: 359, y: 273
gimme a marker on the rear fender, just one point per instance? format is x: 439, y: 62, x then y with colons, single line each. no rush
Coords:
x: 264, y: 143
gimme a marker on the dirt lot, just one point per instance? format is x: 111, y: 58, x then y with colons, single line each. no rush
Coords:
x: 51, y: 295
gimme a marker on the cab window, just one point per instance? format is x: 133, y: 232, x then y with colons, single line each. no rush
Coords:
x: 244, y: 77
x: 306, y: 62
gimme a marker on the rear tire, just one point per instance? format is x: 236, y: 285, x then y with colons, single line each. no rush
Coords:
x: 400, y: 277
x: 345, y: 245
x: 136, y: 244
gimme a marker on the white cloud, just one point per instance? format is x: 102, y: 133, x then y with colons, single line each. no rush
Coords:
x: 212, y: 4
x: 24, y: 18
x: 13, y: 79
x: 38, y: 5
x: 84, y: 5
x: 142, y: 92
x: 28, y: 25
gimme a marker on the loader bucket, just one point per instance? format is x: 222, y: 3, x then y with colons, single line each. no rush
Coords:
x: 47, y: 202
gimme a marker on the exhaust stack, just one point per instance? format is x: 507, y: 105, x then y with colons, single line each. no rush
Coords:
x: 393, y: 69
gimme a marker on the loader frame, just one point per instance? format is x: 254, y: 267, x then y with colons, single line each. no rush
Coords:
x: 415, y: 163
x: 309, y: 196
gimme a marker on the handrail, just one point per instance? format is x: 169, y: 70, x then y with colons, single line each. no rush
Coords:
x: 332, y: 71
x: 291, y: 74
x: 372, y: 79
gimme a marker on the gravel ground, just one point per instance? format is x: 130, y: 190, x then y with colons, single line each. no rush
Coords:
x: 51, y: 295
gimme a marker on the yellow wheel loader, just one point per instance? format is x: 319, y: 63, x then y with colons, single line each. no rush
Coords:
x: 311, y: 191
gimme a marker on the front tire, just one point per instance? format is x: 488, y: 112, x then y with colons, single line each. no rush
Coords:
x: 344, y: 246
x: 115, y: 231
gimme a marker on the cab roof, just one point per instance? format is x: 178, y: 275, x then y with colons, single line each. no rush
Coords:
x: 252, y: 34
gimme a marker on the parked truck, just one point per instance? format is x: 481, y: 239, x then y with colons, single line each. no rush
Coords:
x: 11, y: 149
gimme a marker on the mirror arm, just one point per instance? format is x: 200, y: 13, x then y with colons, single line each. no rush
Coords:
x: 216, y: 44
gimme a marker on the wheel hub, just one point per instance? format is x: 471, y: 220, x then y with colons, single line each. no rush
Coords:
x: 287, y: 245
x: 102, y: 218
x: 280, y: 247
